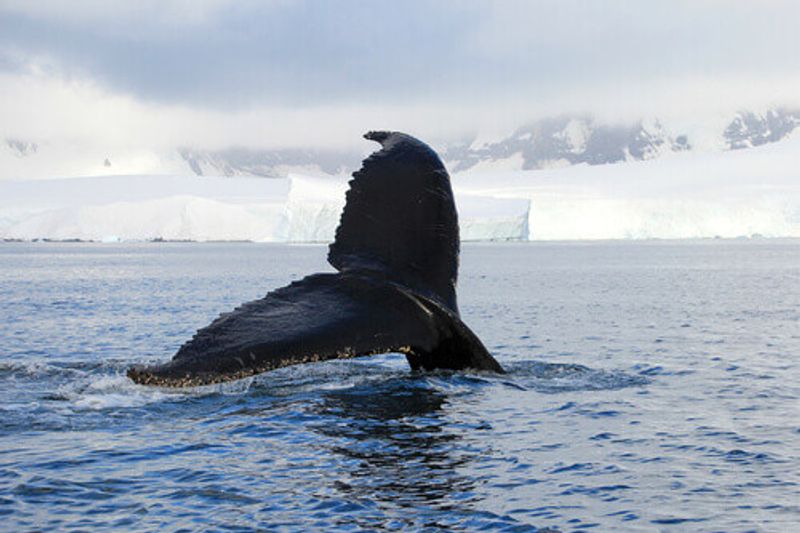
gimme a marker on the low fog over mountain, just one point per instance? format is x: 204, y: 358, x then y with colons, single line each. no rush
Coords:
x: 566, y: 140
x: 546, y: 143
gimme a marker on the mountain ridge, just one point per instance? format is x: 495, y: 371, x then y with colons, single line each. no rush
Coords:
x: 556, y: 141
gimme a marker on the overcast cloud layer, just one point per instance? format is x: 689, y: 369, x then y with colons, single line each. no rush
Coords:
x: 218, y: 72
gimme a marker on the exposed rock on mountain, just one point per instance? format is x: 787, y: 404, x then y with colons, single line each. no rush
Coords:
x: 547, y: 143
x: 22, y: 148
x: 749, y: 129
x: 566, y: 141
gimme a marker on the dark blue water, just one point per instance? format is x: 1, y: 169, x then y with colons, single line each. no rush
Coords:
x: 652, y: 386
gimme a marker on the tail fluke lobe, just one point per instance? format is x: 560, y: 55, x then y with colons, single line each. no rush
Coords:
x: 322, y: 317
x: 400, y: 219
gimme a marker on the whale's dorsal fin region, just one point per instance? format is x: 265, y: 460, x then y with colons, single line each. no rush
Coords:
x: 400, y: 219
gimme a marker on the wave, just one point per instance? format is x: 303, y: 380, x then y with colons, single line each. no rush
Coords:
x: 553, y: 378
x: 92, y: 385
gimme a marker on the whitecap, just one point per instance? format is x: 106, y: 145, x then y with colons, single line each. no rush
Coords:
x: 112, y: 391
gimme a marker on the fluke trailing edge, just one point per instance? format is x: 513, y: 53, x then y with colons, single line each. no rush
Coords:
x: 396, y: 251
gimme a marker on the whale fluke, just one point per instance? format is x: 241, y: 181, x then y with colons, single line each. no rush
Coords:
x: 400, y: 219
x: 396, y: 250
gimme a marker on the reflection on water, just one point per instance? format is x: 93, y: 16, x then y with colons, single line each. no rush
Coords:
x: 398, y: 449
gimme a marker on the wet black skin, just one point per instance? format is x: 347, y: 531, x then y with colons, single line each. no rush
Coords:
x: 396, y: 250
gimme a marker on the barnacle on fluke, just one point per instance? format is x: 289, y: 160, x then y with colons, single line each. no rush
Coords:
x: 396, y: 250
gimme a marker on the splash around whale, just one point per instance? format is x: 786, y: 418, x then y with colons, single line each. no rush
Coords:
x: 396, y: 252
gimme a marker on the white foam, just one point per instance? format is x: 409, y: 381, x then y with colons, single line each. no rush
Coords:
x: 110, y: 391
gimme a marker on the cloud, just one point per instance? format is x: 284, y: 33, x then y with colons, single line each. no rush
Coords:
x: 219, y: 72
x: 275, y: 53
x: 83, y: 113
x: 137, y: 13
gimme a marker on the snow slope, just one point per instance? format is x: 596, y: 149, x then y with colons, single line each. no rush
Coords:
x: 727, y: 194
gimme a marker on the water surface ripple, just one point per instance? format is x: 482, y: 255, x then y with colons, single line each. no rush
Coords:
x: 651, y: 386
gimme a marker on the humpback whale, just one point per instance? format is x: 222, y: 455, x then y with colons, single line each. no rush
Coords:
x: 396, y: 252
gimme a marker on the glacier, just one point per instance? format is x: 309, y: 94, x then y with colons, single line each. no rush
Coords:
x: 738, y: 193
x: 315, y: 204
x: 190, y: 208
x: 135, y: 208
x: 753, y: 192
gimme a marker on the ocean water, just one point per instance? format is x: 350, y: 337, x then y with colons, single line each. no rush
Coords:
x: 651, y: 386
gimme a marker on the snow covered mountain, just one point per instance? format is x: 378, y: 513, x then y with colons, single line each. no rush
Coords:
x: 732, y: 193
x: 547, y: 143
x: 564, y: 141
x: 735, y: 193
x: 571, y: 140
x: 749, y: 129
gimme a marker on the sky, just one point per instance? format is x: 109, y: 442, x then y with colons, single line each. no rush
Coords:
x: 277, y: 73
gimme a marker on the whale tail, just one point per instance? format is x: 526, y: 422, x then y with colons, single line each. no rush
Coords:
x: 396, y: 250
